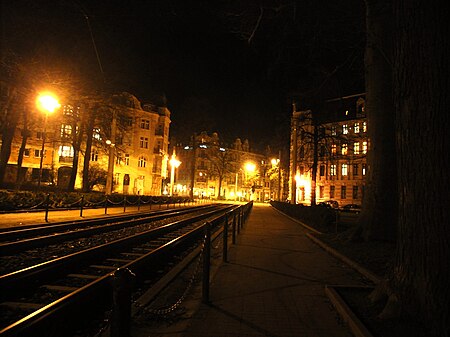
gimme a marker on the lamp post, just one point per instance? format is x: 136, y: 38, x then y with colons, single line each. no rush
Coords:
x: 46, y: 103
x: 276, y: 162
x: 249, y: 169
x: 174, y: 163
x: 111, y: 151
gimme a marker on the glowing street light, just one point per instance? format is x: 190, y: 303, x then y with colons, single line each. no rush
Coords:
x: 174, y: 163
x: 46, y: 103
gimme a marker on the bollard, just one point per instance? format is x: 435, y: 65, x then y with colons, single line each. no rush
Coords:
x: 124, y: 203
x: 238, y: 220
x: 233, y: 234
x: 47, y: 202
x: 139, y: 203
x: 121, y: 313
x: 206, y: 263
x: 81, y: 206
x: 225, y: 240
x: 106, y: 205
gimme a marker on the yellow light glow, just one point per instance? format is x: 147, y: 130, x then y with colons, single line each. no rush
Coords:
x: 275, y: 161
x: 250, y: 167
x: 47, y: 102
x: 174, y: 162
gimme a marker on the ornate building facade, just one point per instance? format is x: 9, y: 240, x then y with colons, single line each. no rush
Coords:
x: 328, y: 152
x: 129, y: 141
x: 213, y: 170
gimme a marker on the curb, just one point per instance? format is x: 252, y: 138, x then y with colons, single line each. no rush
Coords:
x: 356, y: 326
x: 368, y: 274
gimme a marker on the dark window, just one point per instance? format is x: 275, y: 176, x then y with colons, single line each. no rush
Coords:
x: 332, y: 189
x: 343, y: 192
x: 355, y: 192
x: 322, y: 170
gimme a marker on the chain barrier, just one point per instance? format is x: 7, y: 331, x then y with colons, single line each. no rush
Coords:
x: 164, y: 311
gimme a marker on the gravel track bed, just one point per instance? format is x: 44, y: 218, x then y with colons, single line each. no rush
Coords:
x: 11, y: 263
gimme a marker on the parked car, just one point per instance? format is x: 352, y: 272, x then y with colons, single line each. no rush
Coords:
x: 354, y: 208
x: 329, y: 204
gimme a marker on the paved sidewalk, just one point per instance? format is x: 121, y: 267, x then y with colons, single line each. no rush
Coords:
x: 273, y: 285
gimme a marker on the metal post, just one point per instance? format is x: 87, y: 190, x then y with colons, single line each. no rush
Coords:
x: 106, y: 205
x: 47, y: 202
x: 124, y: 203
x: 239, y: 220
x: 233, y: 235
x: 139, y: 202
x: 206, y: 263
x: 225, y: 239
x: 81, y: 206
x: 121, y: 314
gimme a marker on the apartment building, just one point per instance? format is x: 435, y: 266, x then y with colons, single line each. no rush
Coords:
x: 129, y: 142
x: 330, y: 145
x: 219, y: 171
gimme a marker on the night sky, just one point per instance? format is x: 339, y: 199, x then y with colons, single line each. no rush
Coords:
x: 199, y: 55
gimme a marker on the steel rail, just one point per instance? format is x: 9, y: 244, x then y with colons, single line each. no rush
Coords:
x: 74, y: 233
x: 99, y: 290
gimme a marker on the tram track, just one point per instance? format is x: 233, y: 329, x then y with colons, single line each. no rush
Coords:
x: 40, y: 289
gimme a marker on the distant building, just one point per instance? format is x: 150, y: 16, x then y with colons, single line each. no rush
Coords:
x: 337, y: 138
x: 213, y: 170
x: 137, y: 134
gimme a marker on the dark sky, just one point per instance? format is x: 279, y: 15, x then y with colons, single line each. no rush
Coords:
x: 198, y: 54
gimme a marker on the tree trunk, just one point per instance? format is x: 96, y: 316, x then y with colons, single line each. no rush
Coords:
x: 422, y: 102
x: 314, y: 166
x: 87, y: 155
x: 378, y: 218
x: 193, y: 163
x: 9, y: 127
x: 25, y: 135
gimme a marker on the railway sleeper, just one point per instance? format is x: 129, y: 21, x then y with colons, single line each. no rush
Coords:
x: 63, y: 289
x: 22, y: 305
x: 132, y: 254
x: 83, y: 276
x: 119, y: 260
x: 97, y: 266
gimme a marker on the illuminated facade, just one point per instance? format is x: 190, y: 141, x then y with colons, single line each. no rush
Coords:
x: 129, y: 137
x: 232, y: 173
x: 333, y: 147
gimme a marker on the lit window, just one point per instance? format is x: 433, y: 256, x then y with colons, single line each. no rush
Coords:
x: 96, y: 134
x: 116, y: 178
x: 364, y: 126
x: 356, y: 128
x: 142, y: 162
x: 364, y: 169
x: 65, y: 151
x: 143, y: 143
x: 66, y: 130
x: 364, y: 147
x: 145, y: 124
x: 332, y: 169
x: 344, y: 169
x: 345, y: 129
x: 356, y: 148
x: 126, y: 160
x: 346, y: 112
x: 333, y: 149
x: 333, y: 130
x: 344, y: 149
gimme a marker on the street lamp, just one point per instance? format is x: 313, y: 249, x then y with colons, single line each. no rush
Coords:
x: 46, y: 103
x: 174, y: 163
x: 249, y: 170
x: 276, y: 162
